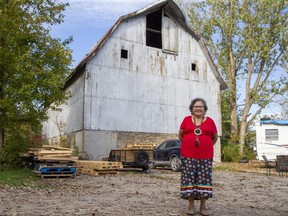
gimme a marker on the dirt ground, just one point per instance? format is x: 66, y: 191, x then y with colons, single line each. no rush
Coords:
x: 152, y: 193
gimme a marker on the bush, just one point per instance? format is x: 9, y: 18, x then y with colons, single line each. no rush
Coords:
x: 230, y: 153
x: 18, y: 138
x: 249, y: 153
x: 15, y: 143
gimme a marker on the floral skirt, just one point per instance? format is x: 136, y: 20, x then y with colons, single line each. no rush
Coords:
x: 196, y: 178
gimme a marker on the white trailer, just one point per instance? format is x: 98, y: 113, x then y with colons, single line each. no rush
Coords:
x: 271, y: 138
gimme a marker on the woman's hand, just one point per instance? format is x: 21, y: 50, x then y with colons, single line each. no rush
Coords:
x: 180, y: 134
x: 214, y: 138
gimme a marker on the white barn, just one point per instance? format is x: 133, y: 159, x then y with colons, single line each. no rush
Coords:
x: 271, y: 138
x: 136, y: 84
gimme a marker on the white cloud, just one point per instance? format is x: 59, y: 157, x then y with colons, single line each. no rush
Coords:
x: 88, y: 20
x: 99, y: 13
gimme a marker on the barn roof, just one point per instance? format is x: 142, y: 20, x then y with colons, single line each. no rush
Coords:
x: 174, y: 10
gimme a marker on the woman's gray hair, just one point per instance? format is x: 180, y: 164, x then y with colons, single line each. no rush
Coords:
x: 196, y: 100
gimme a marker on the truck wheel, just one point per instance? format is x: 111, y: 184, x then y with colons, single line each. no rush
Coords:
x: 142, y: 158
x: 175, y: 164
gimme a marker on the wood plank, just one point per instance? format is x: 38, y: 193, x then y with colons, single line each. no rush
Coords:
x: 140, y: 146
x: 56, y: 147
x: 57, y: 158
x: 99, y: 165
x: 53, y: 152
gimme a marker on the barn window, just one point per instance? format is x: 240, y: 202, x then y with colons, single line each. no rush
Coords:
x: 153, y: 29
x: 193, y: 67
x: 271, y: 134
x: 124, y: 53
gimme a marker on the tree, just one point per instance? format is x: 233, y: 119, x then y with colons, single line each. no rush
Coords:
x: 33, y: 65
x: 283, y: 103
x: 248, y: 41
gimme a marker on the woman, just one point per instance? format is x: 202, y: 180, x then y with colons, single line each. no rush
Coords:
x: 198, y: 134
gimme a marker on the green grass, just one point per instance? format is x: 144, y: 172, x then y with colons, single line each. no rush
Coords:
x: 18, y: 177
x: 223, y: 168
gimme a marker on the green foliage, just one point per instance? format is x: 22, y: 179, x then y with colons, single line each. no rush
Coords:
x: 226, y: 121
x: 230, y: 153
x: 249, y: 153
x: 248, y: 41
x: 16, y: 143
x: 250, y: 138
x: 33, y: 70
x: 224, y: 168
x: 33, y: 65
x: 18, y: 140
x: 18, y: 177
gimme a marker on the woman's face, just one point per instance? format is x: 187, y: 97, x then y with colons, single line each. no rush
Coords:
x: 198, y: 109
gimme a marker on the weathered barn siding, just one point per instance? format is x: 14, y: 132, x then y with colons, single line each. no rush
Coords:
x: 148, y: 88
x: 142, y: 98
x: 70, y: 119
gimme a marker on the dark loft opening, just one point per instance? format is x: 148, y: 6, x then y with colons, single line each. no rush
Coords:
x: 124, y: 53
x: 153, y: 29
x: 193, y: 67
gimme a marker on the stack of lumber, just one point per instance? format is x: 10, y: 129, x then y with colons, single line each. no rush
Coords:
x: 96, y: 168
x: 140, y: 146
x: 52, y: 153
x: 53, y: 161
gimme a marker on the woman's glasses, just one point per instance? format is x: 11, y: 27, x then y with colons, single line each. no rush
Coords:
x: 198, y: 107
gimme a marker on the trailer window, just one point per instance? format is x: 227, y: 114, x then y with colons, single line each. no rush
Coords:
x: 271, y: 134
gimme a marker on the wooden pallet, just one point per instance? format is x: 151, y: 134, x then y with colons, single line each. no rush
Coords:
x: 96, y: 168
x: 57, y: 169
x: 99, y: 165
x: 54, y: 175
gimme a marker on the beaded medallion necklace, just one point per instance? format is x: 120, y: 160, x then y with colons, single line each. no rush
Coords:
x: 197, y: 131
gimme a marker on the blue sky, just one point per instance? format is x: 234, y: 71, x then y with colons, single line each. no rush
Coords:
x: 88, y: 20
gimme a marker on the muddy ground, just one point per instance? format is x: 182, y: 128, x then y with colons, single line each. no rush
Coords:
x: 152, y: 193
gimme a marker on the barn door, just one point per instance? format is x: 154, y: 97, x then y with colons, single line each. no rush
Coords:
x: 169, y: 34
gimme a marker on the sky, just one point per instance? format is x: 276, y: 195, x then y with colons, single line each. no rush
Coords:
x: 88, y: 20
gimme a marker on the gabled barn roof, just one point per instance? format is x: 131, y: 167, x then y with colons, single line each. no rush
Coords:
x: 174, y: 10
